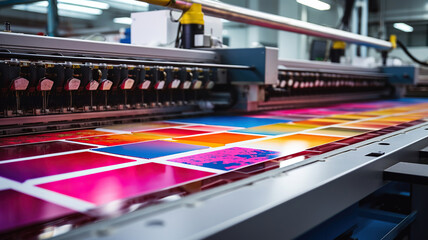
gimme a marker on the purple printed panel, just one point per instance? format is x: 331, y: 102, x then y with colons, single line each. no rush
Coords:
x: 228, y: 159
x: 36, y: 149
x: 41, y: 167
x: 19, y: 209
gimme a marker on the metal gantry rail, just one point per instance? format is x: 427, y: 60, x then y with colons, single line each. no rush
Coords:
x: 252, y: 17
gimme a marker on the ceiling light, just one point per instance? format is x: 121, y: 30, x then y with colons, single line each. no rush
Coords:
x: 134, y: 2
x: 44, y: 10
x: 129, y: 5
x: 123, y: 20
x: 74, y: 8
x: 403, y: 27
x: 87, y: 3
x: 319, y: 5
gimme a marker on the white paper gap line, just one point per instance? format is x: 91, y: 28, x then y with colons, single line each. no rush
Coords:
x: 163, y: 160
x: 43, y: 156
x: 50, y: 196
x: 58, y: 177
x: 83, y: 143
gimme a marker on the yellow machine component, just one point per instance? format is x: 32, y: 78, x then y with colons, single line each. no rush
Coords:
x: 193, y: 16
x: 339, y: 45
x: 393, y: 40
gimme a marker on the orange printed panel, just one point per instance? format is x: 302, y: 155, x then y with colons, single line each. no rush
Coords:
x: 277, y: 129
x: 316, y: 123
x: 398, y: 119
x: 353, y: 116
x: 387, y: 111
x: 339, y: 131
x: 292, y: 143
x: 113, y: 140
x: 370, y: 125
x: 216, y: 139
x: 331, y: 119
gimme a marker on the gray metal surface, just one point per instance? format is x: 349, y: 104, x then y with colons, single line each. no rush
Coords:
x: 10, y: 55
x: 282, y: 203
x: 248, y: 16
x: 49, y: 45
x: 324, y: 66
x: 407, y: 172
x: 90, y: 115
x: 317, y: 100
x: 263, y: 60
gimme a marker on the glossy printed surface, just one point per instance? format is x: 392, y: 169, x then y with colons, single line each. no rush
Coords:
x: 41, y: 167
x: 113, y: 140
x: 115, y: 168
x: 291, y: 143
x: 152, y: 149
x: 228, y: 159
x: 104, y: 187
x: 20, y: 209
x: 231, y: 121
x: 37, y: 149
x: 44, y: 137
x: 216, y: 139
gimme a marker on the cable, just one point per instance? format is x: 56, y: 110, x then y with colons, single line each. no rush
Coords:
x: 179, y: 29
x: 399, y: 43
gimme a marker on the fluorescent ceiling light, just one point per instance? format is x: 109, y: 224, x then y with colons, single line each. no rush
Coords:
x: 123, y: 20
x: 129, y: 5
x: 403, y: 27
x: 317, y: 4
x: 133, y: 2
x: 44, y: 10
x: 74, y: 8
x: 87, y: 3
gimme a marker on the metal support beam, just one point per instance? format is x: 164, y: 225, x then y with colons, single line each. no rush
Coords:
x: 248, y: 16
x: 8, y: 3
x: 53, y: 19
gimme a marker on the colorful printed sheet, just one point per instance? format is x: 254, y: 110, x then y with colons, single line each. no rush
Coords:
x: 109, y: 171
x: 228, y: 159
x: 152, y: 149
x: 104, y: 187
x: 20, y: 209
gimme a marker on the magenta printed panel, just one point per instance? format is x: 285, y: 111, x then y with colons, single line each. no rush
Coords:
x: 41, y: 167
x: 36, y: 149
x: 20, y: 209
x: 228, y: 159
x: 104, y: 187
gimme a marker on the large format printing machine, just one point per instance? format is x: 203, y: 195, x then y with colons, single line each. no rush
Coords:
x: 51, y: 84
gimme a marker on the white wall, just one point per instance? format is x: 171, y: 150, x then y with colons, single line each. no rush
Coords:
x: 420, y: 53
